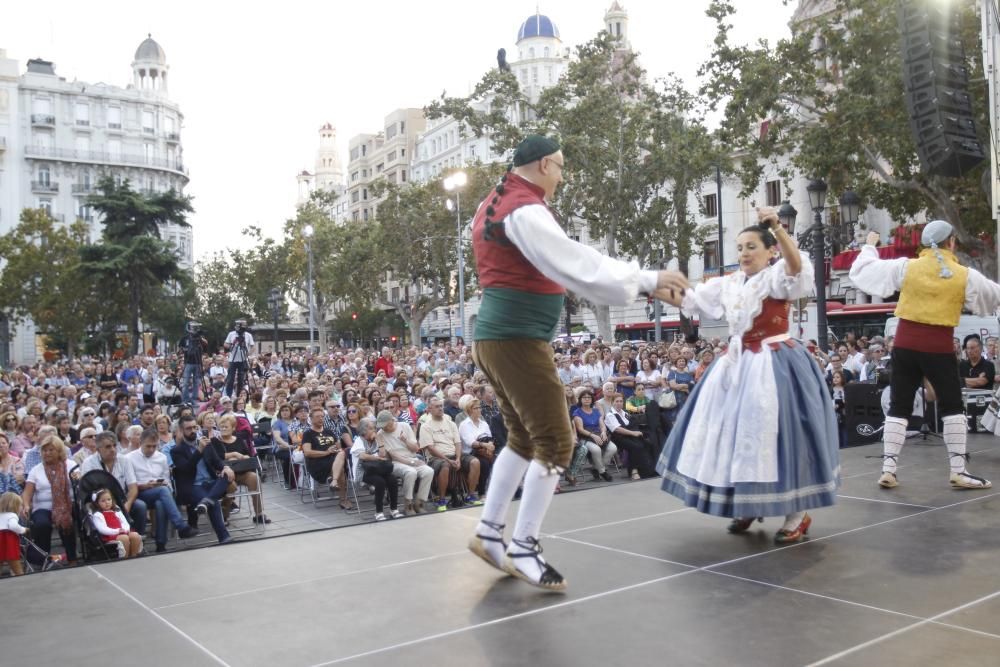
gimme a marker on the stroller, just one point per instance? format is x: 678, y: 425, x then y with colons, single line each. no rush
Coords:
x: 94, y: 547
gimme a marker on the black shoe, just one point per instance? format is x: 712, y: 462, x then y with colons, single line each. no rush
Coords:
x: 187, y: 531
x: 550, y: 580
x: 606, y: 476
x: 201, y: 508
x: 160, y: 548
x: 596, y: 475
x: 261, y: 519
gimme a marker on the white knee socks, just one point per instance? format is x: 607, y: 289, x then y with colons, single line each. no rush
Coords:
x: 539, y: 487
x: 955, y: 428
x: 508, y: 469
x: 893, y: 436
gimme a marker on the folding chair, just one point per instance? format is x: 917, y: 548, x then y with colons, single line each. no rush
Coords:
x: 242, y: 491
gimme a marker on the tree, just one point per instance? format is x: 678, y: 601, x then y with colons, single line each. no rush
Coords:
x: 838, y: 112
x: 624, y: 141
x: 42, y: 278
x: 131, y: 255
x: 216, y: 304
x: 418, y: 241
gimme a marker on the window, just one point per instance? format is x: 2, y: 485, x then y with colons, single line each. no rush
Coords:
x: 390, y: 131
x: 82, y: 114
x: 391, y: 157
x: 354, y: 216
x: 147, y: 152
x: 618, y: 28
x: 711, y: 206
x: 364, y: 194
x: 546, y: 52
x: 354, y: 176
x: 45, y: 205
x: 44, y: 176
x: 82, y: 145
x: 115, y: 149
x: 402, y: 126
x: 147, y: 122
x: 355, y: 152
x: 364, y: 215
x: 114, y: 118
x: 41, y: 105
x: 84, y: 213
x: 531, y: 52
x: 43, y: 139
x: 711, y: 255
x: 395, y: 294
x: 402, y: 176
x: 773, y: 193
x: 354, y: 197
x: 534, y: 75
x: 402, y: 152
x: 379, y: 168
x: 171, y: 125
x: 548, y: 73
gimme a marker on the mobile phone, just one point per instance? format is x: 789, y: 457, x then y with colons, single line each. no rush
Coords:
x: 159, y: 481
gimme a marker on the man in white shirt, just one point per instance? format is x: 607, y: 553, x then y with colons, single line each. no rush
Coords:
x: 403, y: 449
x: 240, y: 345
x: 108, y: 460
x: 152, y: 475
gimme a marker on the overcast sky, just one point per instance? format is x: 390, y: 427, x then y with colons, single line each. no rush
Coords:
x: 256, y: 80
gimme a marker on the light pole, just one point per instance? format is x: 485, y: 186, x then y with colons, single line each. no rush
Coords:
x: 308, y: 232
x: 814, y: 240
x: 274, y: 300
x: 456, y: 182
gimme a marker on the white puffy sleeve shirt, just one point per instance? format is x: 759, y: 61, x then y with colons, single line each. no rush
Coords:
x: 574, y: 265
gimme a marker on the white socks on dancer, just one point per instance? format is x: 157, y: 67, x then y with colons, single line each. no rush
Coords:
x: 792, y: 521
x: 955, y: 427
x: 893, y: 436
x: 508, y: 469
x: 539, y: 487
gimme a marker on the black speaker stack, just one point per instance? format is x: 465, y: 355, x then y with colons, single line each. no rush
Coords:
x: 936, y: 78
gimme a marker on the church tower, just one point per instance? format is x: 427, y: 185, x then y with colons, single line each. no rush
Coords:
x: 616, y: 23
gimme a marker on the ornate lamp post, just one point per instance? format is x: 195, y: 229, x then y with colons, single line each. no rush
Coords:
x: 308, y: 232
x: 456, y: 182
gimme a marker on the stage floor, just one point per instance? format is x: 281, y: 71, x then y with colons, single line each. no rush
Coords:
x: 908, y: 576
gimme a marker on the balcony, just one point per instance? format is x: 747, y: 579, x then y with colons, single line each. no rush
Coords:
x: 82, y: 125
x: 115, y: 128
x: 104, y: 157
x: 82, y: 188
x: 43, y: 120
x: 173, y: 137
x: 44, y: 187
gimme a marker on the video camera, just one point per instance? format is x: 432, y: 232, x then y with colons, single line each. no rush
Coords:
x: 194, y: 328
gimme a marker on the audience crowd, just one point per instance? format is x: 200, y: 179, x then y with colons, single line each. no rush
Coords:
x: 420, y: 423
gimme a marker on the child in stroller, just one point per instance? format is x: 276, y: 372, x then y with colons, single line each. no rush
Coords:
x: 95, y: 547
x: 113, y: 526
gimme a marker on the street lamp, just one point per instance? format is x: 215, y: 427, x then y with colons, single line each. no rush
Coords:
x: 456, y: 182
x: 787, y: 215
x: 814, y: 240
x: 308, y: 232
x: 274, y: 300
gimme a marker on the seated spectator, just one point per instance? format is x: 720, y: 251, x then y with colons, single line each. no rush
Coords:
x: 88, y: 445
x: 236, y: 449
x: 201, y: 489
x: 641, y: 457
x: 48, y: 500
x: 8, y: 425
x: 593, y: 434
x: 836, y: 364
x: 120, y: 468
x: 477, y: 440
x: 12, y: 476
x: 152, y: 474
x: 607, y: 394
x: 133, y: 438
x: 325, y: 455
x: 439, y: 438
x: 112, y: 525
x: 27, y: 437
x: 451, y: 406
x: 374, y: 467
x: 398, y: 440
x: 282, y: 442
x: 637, y: 402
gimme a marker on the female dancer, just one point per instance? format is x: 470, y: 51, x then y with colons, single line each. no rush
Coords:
x: 758, y: 435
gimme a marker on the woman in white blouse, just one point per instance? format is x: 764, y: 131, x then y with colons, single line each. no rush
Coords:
x: 592, y: 369
x: 641, y: 457
x: 652, y: 378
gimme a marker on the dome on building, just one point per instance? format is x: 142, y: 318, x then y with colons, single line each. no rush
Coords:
x: 537, y: 25
x: 150, y: 51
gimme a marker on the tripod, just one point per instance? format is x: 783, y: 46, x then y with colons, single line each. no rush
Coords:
x: 236, y: 378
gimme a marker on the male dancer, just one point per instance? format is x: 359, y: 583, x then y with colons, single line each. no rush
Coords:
x: 933, y: 290
x: 525, y: 261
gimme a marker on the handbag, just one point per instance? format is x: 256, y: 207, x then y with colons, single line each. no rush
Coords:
x: 239, y: 466
x: 667, y: 400
x: 382, y: 468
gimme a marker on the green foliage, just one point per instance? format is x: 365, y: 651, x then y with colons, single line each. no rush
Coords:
x: 42, y: 278
x: 840, y: 113
x: 131, y: 259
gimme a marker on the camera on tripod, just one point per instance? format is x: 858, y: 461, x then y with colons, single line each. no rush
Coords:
x: 194, y: 328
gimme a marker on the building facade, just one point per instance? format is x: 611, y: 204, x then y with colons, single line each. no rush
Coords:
x: 58, y: 138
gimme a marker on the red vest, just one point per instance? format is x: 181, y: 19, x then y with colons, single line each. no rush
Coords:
x: 772, y: 321
x: 499, y: 262
x: 111, y: 519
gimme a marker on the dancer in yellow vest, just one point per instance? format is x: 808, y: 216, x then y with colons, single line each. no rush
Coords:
x: 934, y: 288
